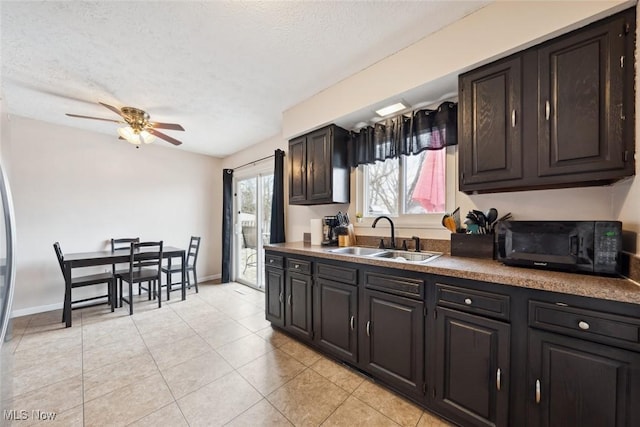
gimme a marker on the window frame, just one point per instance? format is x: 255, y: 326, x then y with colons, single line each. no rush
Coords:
x: 412, y: 221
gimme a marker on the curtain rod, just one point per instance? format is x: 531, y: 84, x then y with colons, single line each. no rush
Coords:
x: 253, y: 162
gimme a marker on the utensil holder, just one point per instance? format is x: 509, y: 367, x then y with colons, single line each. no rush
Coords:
x: 473, y: 245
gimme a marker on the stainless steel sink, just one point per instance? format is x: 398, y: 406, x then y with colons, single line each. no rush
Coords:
x: 404, y: 256
x: 389, y: 254
x: 357, y: 250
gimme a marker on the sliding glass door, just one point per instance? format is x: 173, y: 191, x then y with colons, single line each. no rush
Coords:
x: 253, y: 224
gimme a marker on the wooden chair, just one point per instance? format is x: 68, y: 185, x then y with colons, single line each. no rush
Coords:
x: 145, y: 263
x: 192, y: 257
x: 88, y: 280
x: 120, y: 245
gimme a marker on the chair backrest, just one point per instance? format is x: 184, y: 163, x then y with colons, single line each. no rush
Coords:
x: 119, y: 244
x: 122, y: 244
x: 192, y: 252
x: 59, y: 255
x: 249, y: 236
x: 145, y: 255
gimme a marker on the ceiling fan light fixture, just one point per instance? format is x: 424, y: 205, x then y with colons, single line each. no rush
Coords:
x: 135, y: 136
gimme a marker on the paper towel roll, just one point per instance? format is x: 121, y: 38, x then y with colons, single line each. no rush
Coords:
x: 316, y: 231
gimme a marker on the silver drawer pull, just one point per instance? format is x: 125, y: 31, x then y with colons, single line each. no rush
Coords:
x: 498, y: 379
x: 352, y: 322
x: 280, y: 298
x: 270, y: 261
x: 468, y: 301
x: 296, y: 266
x: 538, y: 391
x: 583, y: 325
x: 513, y: 118
x: 547, y: 110
x: 289, y: 300
x: 369, y: 328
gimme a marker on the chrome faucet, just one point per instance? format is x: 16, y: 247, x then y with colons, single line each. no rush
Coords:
x: 393, y: 230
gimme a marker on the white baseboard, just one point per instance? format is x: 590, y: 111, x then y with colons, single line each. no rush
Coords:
x: 58, y: 306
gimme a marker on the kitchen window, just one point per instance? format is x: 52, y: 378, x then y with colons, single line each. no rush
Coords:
x: 416, y: 190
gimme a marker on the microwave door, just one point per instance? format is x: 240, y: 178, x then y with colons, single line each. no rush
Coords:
x: 549, y: 250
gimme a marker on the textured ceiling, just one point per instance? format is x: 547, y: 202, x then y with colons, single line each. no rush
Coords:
x: 224, y: 70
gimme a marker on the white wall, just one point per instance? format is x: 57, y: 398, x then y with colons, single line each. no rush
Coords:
x: 82, y: 188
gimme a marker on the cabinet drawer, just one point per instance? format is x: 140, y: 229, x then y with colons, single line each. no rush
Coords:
x: 339, y: 274
x: 273, y: 261
x: 472, y: 301
x: 586, y: 324
x: 299, y: 265
x: 398, y: 285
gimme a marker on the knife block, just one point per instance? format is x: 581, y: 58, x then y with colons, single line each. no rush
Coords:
x: 473, y: 245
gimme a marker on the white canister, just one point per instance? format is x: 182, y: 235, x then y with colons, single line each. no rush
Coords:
x: 316, y: 231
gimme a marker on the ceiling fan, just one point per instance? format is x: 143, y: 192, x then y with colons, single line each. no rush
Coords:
x: 139, y: 129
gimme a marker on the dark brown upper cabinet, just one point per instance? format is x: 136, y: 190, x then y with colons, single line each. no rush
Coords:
x: 560, y: 114
x: 318, y: 167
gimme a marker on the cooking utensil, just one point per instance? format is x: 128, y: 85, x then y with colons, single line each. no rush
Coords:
x: 456, y: 219
x: 449, y: 223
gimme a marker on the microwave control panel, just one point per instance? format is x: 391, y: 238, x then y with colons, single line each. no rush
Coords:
x: 607, y: 244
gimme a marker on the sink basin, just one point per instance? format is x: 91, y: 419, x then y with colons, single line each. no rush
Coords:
x: 404, y: 256
x: 391, y: 255
x: 357, y: 250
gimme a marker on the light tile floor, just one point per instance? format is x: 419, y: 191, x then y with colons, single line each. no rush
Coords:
x: 210, y: 360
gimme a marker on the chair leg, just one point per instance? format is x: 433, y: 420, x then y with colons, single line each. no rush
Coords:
x: 112, y: 297
x: 168, y: 285
x: 159, y: 292
x: 120, y: 284
x: 188, y: 280
x: 195, y: 278
x: 131, y: 298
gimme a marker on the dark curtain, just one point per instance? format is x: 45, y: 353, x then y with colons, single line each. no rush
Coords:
x: 277, y: 202
x: 406, y: 135
x: 227, y: 223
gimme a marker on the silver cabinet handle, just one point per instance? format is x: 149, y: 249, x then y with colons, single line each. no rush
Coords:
x: 297, y: 266
x: 280, y: 298
x: 369, y: 328
x: 513, y: 118
x: 498, y: 374
x: 352, y: 322
x: 583, y: 325
x: 270, y: 261
x: 289, y: 300
x: 310, y: 166
x: 468, y: 301
x: 547, y: 110
x: 537, y: 391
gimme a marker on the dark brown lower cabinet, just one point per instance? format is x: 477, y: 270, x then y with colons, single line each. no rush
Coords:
x: 574, y: 382
x: 274, y: 296
x: 471, y: 368
x: 298, y: 300
x: 335, y: 315
x: 393, y: 341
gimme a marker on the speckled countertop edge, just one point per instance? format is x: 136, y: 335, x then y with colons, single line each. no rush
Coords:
x: 609, y: 288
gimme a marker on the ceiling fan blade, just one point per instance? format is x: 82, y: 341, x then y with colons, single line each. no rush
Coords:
x: 164, y: 136
x: 93, y: 118
x: 171, y: 126
x: 112, y: 108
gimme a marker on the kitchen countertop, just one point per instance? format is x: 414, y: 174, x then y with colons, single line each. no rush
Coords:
x: 609, y: 288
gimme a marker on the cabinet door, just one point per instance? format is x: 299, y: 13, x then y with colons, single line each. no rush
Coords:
x: 472, y: 368
x: 394, y: 340
x: 319, y: 168
x: 491, y: 110
x: 335, y: 317
x: 298, y: 170
x: 274, y: 295
x: 580, y: 383
x: 581, y: 102
x: 298, y: 310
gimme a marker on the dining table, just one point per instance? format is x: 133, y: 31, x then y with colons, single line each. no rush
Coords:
x: 109, y: 257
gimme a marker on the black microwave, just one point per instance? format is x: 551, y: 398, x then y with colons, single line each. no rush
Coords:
x: 580, y: 246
